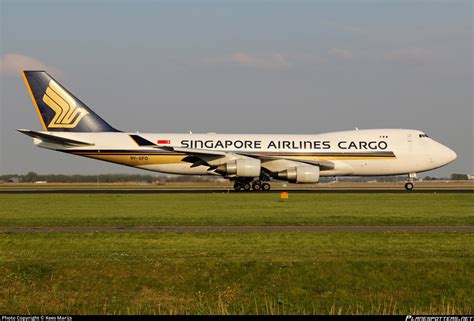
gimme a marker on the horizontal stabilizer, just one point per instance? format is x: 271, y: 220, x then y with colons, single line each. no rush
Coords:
x: 47, y: 138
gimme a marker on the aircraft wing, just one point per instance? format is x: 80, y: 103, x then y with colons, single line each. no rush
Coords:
x: 53, y: 139
x: 324, y: 165
x: 192, y: 151
x: 202, y: 156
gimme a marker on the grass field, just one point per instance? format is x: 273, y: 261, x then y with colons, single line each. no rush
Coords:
x: 237, y: 272
x: 236, y: 209
x: 208, y: 273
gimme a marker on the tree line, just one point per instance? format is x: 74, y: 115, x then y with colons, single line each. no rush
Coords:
x: 32, y: 177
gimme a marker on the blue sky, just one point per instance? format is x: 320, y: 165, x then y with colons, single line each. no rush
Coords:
x: 241, y: 67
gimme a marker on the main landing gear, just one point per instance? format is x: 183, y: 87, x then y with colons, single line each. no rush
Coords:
x: 248, y: 184
x: 409, y: 183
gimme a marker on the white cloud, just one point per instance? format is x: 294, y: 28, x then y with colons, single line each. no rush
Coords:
x: 275, y: 60
x: 408, y: 54
x: 340, y: 53
x: 14, y: 63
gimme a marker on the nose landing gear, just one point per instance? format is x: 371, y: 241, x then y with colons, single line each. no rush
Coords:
x: 409, y: 185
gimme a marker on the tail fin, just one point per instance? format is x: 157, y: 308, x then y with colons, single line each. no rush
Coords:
x: 58, y: 109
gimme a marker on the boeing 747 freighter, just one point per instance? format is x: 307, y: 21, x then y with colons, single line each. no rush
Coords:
x: 250, y: 161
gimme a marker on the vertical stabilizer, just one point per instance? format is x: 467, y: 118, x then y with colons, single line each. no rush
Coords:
x: 60, y: 110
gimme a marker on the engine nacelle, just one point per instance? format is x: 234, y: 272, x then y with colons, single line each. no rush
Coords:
x: 300, y: 174
x: 244, y: 167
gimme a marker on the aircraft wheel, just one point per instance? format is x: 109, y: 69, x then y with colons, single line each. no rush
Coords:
x: 266, y: 187
x: 237, y: 187
x: 409, y: 186
x: 257, y: 186
x: 247, y: 187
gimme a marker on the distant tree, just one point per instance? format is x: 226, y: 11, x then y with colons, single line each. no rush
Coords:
x: 459, y: 177
x: 30, y: 177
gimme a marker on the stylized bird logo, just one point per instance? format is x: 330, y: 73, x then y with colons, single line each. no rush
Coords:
x: 68, y: 115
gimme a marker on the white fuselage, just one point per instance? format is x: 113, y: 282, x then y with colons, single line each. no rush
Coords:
x: 355, y: 152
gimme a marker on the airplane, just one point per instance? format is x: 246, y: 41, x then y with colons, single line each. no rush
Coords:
x: 250, y: 161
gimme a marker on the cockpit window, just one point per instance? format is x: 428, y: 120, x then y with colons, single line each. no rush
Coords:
x: 423, y: 135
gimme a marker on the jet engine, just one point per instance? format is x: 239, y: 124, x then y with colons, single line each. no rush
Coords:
x: 300, y: 174
x: 244, y: 167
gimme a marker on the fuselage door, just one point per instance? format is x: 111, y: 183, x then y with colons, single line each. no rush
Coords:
x: 410, y: 142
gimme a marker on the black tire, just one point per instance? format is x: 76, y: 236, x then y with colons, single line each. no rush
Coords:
x: 257, y: 186
x: 237, y: 187
x: 246, y: 187
x: 409, y: 186
x: 266, y: 187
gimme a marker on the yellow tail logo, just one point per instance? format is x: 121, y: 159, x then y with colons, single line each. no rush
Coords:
x: 68, y: 115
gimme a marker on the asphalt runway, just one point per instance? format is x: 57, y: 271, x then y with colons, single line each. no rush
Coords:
x: 225, y: 191
x: 209, y: 228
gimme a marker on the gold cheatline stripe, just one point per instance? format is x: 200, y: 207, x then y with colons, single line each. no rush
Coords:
x: 125, y: 153
x: 263, y: 155
x: 164, y: 156
x: 333, y: 155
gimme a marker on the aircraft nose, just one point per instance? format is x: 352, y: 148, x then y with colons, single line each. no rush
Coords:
x: 447, y: 154
x: 451, y: 155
